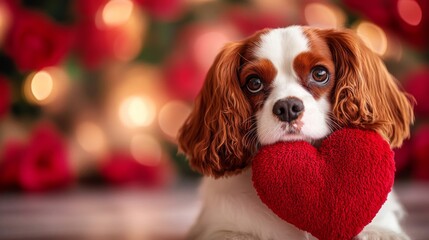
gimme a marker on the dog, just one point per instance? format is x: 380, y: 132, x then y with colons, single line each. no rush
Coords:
x: 285, y: 84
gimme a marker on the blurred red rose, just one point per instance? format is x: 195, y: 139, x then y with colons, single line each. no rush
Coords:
x: 184, y: 78
x: 250, y: 21
x: 421, y: 153
x: 9, y: 165
x: 163, y: 9
x: 5, y: 96
x: 417, y: 84
x: 35, y: 42
x: 96, y: 43
x: 87, y: 10
x: 44, y: 164
x: 385, y: 13
x: 122, y: 169
x: 39, y: 165
x: 403, y: 155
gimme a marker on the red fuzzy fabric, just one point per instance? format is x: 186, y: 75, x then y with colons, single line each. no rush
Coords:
x: 332, y: 192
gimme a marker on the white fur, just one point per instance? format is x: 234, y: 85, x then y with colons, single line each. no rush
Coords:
x: 231, y: 207
x: 281, y: 46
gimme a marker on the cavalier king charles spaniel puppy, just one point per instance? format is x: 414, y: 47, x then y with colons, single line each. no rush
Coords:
x: 294, y: 83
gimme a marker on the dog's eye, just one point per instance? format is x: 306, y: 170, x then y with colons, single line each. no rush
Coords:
x: 320, y: 75
x: 254, y: 84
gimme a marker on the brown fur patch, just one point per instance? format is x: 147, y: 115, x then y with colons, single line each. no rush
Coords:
x: 319, y: 55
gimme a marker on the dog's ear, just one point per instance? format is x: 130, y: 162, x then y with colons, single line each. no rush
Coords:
x: 213, y: 136
x: 366, y: 95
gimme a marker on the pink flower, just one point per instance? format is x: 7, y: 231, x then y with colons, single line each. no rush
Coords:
x: 122, y: 169
x: 5, y: 96
x: 34, y: 41
x: 44, y: 163
x: 417, y: 84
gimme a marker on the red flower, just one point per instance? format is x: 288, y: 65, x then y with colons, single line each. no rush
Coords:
x: 44, y: 164
x: 87, y: 10
x: 421, y: 153
x: 39, y: 165
x: 403, y: 155
x: 9, y: 165
x: 184, y: 78
x: 163, y: 9
x: 95, y: 44
x: 417, y: 84
x: 5, y: 96
x: 385, y: 13
x: 35, y: 42
x: 122, y: 169
x: 250, y: 21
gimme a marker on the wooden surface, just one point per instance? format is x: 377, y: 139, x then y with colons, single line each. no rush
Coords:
x: 140, y: 214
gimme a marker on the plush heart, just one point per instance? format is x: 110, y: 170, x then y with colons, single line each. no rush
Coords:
x: 332, y: 192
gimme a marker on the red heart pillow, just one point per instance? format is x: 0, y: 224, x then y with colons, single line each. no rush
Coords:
x: 332, y: 192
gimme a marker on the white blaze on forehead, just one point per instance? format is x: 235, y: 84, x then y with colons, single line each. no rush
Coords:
x: 281, y: 46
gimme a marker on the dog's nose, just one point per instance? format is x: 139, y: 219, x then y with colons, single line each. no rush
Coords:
x: 288, y: 109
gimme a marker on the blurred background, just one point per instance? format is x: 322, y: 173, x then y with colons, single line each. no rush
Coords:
x: 93, y: 92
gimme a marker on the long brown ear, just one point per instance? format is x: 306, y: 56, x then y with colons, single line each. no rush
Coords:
x: 213, y: 135
x: 366, y: 95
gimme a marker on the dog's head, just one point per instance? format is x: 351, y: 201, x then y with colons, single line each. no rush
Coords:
x: 294, y: 83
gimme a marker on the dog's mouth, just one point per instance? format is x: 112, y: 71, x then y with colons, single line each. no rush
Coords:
x: 292, y: 132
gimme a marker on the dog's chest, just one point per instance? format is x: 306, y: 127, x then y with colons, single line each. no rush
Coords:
x: 233, y: 203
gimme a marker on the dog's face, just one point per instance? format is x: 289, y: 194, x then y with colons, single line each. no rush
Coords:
x: 295, y: 83
x: 292, y: 102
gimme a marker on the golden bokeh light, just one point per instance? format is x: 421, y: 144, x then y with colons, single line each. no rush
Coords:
x: 323, y: 16
x: 116, y: 12
x: 45, y: 86
x: 91, y: 137
x: 373, y: 36
x: 41, y: 85
x: 410, y: 11
x: 146, y: 149
x: 137, y: 111
x: 171, y: 117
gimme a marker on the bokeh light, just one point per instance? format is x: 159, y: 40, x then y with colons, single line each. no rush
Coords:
x: 128, y: 44
x: 410, y: 11
x: 323, y: 15
x: 146, y: 149
x: 45, y: 86
x: 171, y: 117
x: 91, y: 137
x: 41, y: 85
x: 373, y: 36
x: 116, y: 12
x: 137, y: 111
